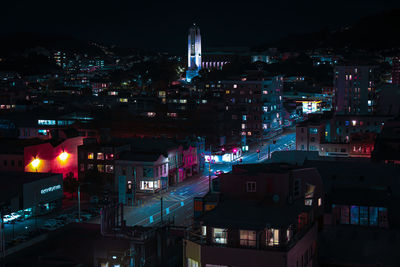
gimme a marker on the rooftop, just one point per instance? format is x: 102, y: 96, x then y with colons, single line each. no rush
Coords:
x: 252, y: 215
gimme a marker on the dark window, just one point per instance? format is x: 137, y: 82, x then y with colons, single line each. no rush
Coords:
x: 5, y: 162
x: 12, y: 163
x: 19, y: 163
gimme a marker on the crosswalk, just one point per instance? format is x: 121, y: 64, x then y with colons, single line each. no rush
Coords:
x: 172, y: 197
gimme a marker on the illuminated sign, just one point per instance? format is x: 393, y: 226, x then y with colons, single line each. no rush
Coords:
x: 50, y: 189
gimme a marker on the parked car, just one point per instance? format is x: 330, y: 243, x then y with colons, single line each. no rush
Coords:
x: 218, y: 172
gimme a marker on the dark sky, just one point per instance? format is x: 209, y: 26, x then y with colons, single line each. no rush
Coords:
x: 163, y: 25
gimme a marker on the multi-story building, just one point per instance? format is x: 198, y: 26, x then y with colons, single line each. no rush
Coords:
x: 309, y: 135
x: 354, y: 89
x: 396, y: 71
x: 99, y: 158
x: 254, y: 106
x: 266, y: 215
x: 341, y: 135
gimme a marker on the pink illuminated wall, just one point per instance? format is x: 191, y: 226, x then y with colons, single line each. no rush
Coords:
x: 46, y: 157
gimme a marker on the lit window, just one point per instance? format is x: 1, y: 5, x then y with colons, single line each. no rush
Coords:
x: 100, y: 156
x: 220, y: 235
x: 192, y: 263
x: 90, y: 155
x: 247, y: 238
x: 109, y: 168
x: 354, y: 123
x: 272, y: 237
x: 265, y: 92
x: 249, y: 133
x: 100, y: 168
x: 90, y: 166
x: 251, y: 187
x: 243, y: 126
x: 109, y: 156
x: 244, y: 117
x: 204, y: 230
x: 227, y: 92
x: 319, y: 202
x: 235, y: 86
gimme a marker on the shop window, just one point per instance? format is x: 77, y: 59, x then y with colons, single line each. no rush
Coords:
x: 373, y: 216
x: 90, y: 155
x: 149, y: 185
x: 247, y: 238
x: 220, y: 235
x: 109, y: 168
x: 344, y: 215
x: 382, y: 215
x: 272, y: 237
x: 364, y: 216
x: 100, y: 168
x: 100, y: 156
x: 354, y: 215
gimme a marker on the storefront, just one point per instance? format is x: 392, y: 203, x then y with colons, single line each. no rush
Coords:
x: 28, y: 194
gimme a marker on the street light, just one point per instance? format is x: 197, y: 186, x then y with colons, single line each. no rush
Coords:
x: 79, y: 200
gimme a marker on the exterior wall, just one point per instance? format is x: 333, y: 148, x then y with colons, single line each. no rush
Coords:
x: 241, y: 257
x: 354, y: 87
x: 132, y: 172
x: 305, y: 247
x: 48, y: 156
x: 255, y: 106
x: 307, y: 139
x: 10, y: 162
x: 235, y: 185
x: 191, y: 250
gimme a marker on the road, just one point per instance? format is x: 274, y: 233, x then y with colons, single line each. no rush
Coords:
x: 178, y: 201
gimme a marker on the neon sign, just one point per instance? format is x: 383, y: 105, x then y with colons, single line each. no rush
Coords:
x: 50, y: 189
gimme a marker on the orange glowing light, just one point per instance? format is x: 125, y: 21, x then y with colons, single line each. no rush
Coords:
x: 63, y: 156
x: 35, y: 163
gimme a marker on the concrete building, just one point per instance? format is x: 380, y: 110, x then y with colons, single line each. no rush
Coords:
x: 262, y: 216
x: 354, y: 89
x: 254, y: 106
x: 194, y: 53
x: 396, y: 71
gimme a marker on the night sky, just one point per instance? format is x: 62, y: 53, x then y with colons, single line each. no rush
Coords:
x: 163, y: 25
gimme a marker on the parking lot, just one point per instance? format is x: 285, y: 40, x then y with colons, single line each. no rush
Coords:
x: 20, y: 230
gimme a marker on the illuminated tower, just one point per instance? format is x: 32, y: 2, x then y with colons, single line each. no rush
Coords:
x: 194, y: 52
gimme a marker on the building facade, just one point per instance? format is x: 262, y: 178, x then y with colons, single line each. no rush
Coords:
x: 354, y: 89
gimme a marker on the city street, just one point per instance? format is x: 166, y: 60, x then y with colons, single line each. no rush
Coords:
x: 178, y: 201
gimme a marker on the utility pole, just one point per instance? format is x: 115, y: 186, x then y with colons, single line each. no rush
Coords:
x: 209, y: 171
x: 133, y: 188
x: 79, y: 202
x: 161, y: 209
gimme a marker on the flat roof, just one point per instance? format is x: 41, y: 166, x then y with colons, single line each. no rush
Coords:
x: 252, y: 215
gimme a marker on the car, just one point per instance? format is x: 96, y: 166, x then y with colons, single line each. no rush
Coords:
x: 47, y: 227
x: 218, y: 172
